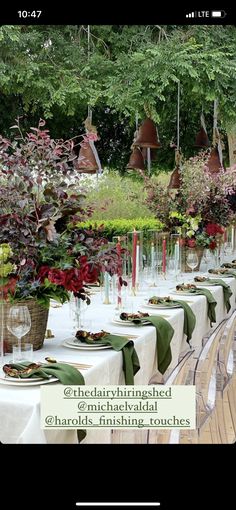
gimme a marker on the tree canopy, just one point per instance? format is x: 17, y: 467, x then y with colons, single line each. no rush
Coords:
x: 47, y: 71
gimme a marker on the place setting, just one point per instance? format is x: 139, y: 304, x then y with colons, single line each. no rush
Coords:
x: 21, y: 369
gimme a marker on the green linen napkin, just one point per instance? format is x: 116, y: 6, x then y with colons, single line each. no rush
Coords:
x: 164, y: 334
x: 189, y: 316
x: 230, y: 272
x: 226, y: 290
x: 66, y: 374
x: 130, y: 358
x: 211, y: 302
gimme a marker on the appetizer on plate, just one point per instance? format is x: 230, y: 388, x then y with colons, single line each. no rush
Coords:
x: 219, y: 270
x: 131, y: 316
x: 200, y: 279
x: 89, y: 338
x: 155, y: 300
x: 186, y: 286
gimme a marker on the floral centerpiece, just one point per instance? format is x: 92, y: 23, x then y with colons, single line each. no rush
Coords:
x: 44, y: 254
x: 201, y: 208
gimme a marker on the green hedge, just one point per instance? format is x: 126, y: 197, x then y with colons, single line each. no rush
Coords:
x: 121, y: 227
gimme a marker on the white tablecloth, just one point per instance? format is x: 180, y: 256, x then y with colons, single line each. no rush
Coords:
x: 20, y: 407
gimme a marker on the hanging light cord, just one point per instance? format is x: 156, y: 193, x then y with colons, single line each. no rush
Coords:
x: 177, y: 151
x: 88, y: 39
x: 90, y: 113
x: 216, y: 134
x: 178, y: 110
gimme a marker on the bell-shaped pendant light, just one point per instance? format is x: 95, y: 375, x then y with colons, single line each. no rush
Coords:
x: 214, y: 164
x: 136, y: 161
x: 86, y: 161
x: 202, y: 140
x: 147, y: 135
x: 175, y: 179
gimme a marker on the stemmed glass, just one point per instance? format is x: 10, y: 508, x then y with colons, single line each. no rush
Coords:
x: 78, y: 307
x: 19, y: 322
x: 192, y: 260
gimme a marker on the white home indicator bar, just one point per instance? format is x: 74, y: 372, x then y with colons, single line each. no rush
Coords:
x: 119, y: 504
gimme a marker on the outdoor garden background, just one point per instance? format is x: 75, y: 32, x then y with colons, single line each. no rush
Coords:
x: 45, y: 73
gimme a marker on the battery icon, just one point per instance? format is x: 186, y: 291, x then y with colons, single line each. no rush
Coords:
x: 218, y: 14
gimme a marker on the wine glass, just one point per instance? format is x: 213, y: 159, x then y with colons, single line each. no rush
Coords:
x: 19, y: 322
x: 192, y: 260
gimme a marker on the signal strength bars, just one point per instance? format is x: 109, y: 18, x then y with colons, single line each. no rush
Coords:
x: 190, y: 15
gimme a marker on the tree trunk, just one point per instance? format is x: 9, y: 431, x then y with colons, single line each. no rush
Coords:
x: 231, y: 133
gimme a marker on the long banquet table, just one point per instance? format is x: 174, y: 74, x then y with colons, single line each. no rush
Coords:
x: 20, y: 406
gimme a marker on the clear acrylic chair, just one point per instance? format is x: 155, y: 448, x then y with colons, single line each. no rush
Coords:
x: 226, y: 383
x: 203, y: 376
x: 179, y: 376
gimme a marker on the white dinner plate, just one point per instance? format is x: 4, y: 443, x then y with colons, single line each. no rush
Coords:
x: 84, y: 347
x: 161, y: 306
x: 26, y: 382
x: 182, y: 292
x: 206, y: 284
x: 212, y: 275
x: 127, y: 323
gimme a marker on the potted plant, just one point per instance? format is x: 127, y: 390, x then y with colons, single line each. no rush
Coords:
x: 201, y: 208
x: 44, y: 253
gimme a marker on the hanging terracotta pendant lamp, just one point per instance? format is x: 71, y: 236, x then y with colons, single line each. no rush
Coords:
x: 175, y: 179
x: 148, y: 135
x: 214, y: 164
x: 202, y: 140
x: 86, y: 161
x: 215, y: 161
x: 136, y: 161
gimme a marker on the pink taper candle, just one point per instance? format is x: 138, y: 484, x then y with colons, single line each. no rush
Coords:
x: 119, y: 271
x: 164, y: 255
x: 134, y: 255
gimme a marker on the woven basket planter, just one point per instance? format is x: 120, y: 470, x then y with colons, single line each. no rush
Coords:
x: 39, y: 318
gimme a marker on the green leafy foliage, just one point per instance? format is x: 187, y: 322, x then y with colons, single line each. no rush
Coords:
x: 45, y: 72
x: 110, y: 228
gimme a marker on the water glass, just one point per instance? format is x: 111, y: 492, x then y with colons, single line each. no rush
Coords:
x: 22, y: 352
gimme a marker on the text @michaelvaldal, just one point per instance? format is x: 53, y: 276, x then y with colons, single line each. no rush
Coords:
x: 117, y: 407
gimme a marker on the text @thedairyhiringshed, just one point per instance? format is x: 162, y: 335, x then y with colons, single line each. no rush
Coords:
x: 118, y: 407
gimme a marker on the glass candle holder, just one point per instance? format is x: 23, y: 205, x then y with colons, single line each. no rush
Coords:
x: 151, y: 256
x: 174, y: 259
x: 135, y: 258
x: 163, y: 249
